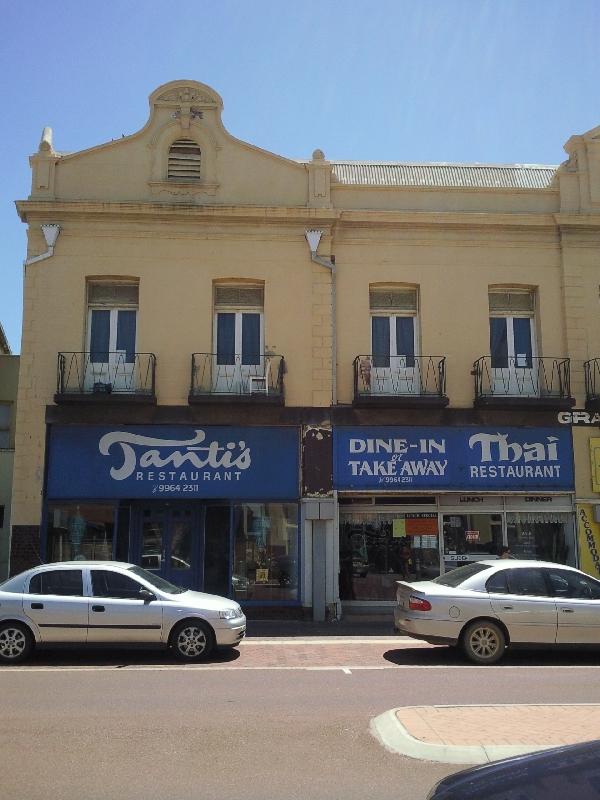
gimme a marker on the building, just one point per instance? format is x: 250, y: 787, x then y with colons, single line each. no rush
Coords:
x: 9, y: 377
x: 295, y: 381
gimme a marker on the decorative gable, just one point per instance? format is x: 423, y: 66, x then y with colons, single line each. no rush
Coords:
x: 185, y: 116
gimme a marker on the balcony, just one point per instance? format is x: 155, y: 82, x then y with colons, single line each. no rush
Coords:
x: 591, y: 370
x: 523, y: 382
x: 106, y: 377
x: 400, y: 381
x: 237, y: 381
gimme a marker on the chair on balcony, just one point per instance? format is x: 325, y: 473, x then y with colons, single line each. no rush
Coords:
x: 365, y: 366
x: 261, y: 380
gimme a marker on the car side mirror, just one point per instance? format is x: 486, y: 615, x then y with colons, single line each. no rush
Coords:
x: 146, y: 595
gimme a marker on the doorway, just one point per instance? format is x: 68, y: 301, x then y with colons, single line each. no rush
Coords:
x: 167, y: 542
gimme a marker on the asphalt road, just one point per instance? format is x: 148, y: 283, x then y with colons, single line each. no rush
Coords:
x: 279, y: 719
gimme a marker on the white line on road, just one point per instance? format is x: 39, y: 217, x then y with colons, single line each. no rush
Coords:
x: 346, y: 669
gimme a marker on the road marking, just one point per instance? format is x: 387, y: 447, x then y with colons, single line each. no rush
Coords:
x: 346, y: 669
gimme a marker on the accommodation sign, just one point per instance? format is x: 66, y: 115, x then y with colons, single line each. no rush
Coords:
x: 155, y: 461
x: 458, y: 458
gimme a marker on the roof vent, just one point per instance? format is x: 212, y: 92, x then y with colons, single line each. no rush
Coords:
x: 184, y: 161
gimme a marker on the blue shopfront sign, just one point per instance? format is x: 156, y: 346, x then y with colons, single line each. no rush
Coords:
x: 143, y: 461
x: 473, y: 458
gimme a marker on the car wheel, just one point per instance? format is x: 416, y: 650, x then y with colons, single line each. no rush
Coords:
x: 16, y: 643
x: 192, y: 641
x: 484, y: 642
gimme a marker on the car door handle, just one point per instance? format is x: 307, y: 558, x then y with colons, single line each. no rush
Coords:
x: 507, y: 608
x: 37, y: 605
x: 568, y: 610
x: 98, y: 608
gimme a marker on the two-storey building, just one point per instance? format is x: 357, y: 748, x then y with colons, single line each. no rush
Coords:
x: 9, y: 377
x: 293, y: 382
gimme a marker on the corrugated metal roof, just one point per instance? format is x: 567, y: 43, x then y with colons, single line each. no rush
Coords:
x: 479, y: 176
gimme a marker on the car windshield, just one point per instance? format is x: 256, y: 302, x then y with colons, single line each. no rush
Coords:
x: 460, y: 574
x: 157, y: 581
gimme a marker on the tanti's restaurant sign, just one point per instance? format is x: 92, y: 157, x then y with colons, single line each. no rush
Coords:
x: 98, y: 462
x: 476, y: 459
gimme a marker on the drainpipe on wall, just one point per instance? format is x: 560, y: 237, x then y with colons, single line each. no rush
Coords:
x: 313, y: 238
x: 51, y: 233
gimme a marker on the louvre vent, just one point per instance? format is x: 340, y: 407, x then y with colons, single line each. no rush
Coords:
x: 184, y: 161
x: 511, y: 302
x: 239, y: 297
x: 398, y: 300
x: 113, y: 294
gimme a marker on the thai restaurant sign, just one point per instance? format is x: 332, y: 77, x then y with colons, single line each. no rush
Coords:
x: 457, y: 458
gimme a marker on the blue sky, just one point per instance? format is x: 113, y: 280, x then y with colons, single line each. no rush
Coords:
x: 498, y: 81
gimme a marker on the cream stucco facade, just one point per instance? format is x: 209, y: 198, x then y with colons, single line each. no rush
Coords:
x: 9, y: 378
x: 453, y: 233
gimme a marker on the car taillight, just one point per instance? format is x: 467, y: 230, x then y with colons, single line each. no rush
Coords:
x: 418, y: 604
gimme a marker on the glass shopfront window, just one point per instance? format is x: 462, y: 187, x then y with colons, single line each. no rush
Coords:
x: 265, y: 560
x: 378, y: 549
x: 543, y: 536
x: 471, y: 537
x: 80, y: 531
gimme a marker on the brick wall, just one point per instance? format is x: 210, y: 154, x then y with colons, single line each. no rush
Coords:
x: 25, y: 548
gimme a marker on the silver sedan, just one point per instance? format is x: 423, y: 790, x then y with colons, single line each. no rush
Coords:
x: 110, y: 603
x: 488, y: 606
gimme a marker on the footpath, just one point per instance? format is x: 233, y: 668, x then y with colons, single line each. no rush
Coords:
x: 483, y: 733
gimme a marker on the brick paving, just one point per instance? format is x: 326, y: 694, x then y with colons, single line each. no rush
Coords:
x: 551, y: 725
x: 328, y: 652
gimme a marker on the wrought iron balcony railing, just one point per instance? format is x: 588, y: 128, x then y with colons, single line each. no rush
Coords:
x: 526, y: 378
x: 107, y: 373
x: 591, y: 370
x: 248, y: 377
x: 400, y: 377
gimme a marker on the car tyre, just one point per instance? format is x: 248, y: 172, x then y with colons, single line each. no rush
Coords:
x: 483, y: 642
x: 192, y: 640
x: 16, y: 642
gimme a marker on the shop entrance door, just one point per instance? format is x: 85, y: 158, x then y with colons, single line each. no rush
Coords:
x: 167, y: 542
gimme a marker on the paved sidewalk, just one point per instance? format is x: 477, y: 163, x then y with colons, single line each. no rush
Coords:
x: 479, y: 734
x: 357, y: 625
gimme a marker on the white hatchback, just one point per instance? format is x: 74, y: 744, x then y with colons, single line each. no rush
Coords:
x: 111, y: 603
x: 488, y: 606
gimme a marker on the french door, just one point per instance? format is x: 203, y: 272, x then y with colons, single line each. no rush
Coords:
x: 168, y: 542
x: 393, y: 347
x: 512, y: 348
x: 239, y: 356
x: 111, y: 346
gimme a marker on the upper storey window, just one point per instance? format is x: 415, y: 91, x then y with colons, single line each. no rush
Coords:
x: 512, y: 339
x: 184, y: 161
x: 111, y: 334
x: 393, y: 327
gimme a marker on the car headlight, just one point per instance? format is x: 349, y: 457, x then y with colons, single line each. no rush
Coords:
x: 231, y: 613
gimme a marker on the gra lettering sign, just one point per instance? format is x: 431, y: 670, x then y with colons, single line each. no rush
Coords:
x: 172, y: 462
x: 466, y: 458
x: 579, y: 416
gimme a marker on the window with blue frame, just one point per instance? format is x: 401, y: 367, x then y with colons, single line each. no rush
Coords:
x: 77, y: 531
x: 265, y: 558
